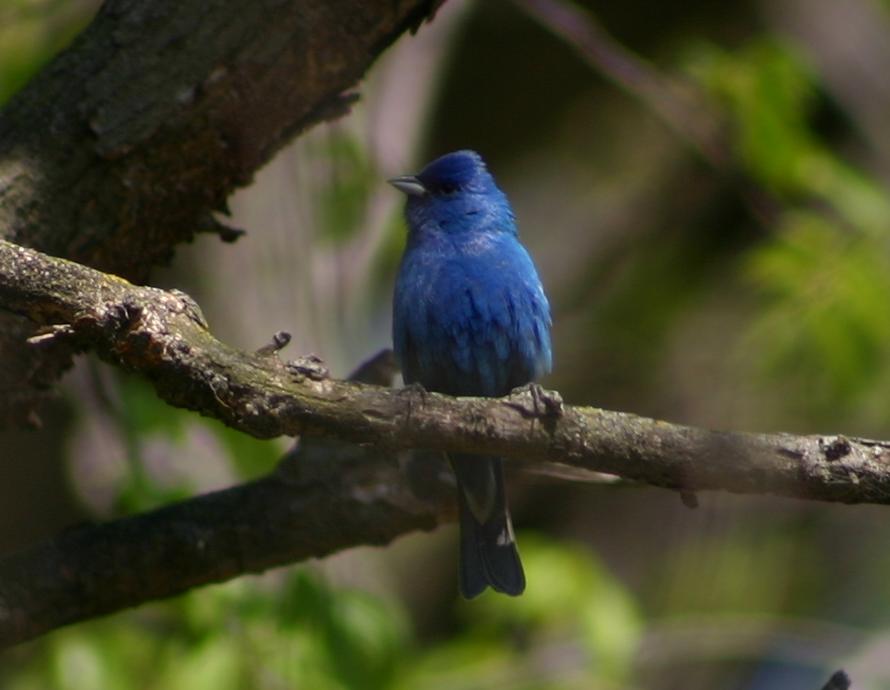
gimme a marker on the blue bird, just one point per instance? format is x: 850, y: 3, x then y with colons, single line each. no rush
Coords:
x: 470, y: 318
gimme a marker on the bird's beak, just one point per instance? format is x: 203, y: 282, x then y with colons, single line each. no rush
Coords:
x: 408, y: 184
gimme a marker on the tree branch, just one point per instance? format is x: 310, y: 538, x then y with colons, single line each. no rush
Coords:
x: 325, y: 496
x: 162, y: 335
x: 131, y: 140
x: 337, y: 495
x: 679, y: 105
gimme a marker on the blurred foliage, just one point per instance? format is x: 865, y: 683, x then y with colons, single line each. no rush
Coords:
x: 770, y: 94
x: 143, y: 414
x: 297, y: 631
x: 825, y: 327
x: 235, y: 636
x: 571, y: 592
x: 573, y: 609
x: 141, y: 420
x: 31, y: 32
x: 344, y: 188
x: 823, y: 273
x: 742, y: 588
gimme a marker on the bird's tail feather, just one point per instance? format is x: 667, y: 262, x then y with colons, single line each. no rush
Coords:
x: 488, y: 554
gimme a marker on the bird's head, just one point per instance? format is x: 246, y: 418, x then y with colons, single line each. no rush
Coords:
x: 455, y: 193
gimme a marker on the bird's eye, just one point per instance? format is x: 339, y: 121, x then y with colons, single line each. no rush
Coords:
x: 448, y: 188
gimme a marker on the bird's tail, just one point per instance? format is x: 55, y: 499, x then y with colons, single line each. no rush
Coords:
x: 488, y: 555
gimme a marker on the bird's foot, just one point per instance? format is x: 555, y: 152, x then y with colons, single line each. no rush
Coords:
x: 414, y: 394
x: 413, y: 391
x: 532, y: 400
x: 413, y: 388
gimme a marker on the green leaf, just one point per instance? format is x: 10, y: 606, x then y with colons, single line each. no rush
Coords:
x: 250, y: 457
x: 347, y: 179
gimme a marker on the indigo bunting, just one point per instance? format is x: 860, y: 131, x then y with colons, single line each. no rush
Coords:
x: 470, y: 318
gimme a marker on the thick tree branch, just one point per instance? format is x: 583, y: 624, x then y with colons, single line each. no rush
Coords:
x: 131, y: 140
x: 163, y: 336
x: 329, y: 497
x: 336, y: 495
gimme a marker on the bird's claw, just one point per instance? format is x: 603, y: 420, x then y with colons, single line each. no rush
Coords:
x: 532, y: 400
x: 413, y: 393
x: 414, y: 389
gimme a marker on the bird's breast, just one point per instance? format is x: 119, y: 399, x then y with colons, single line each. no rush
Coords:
x: 471, y: 320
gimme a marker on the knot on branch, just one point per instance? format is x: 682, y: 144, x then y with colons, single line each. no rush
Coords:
x: 308, y: 367
x: 184, y: 304
x: 834, y: 448
x: 111, y: 318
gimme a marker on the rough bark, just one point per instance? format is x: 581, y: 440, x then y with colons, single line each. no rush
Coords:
x: 130, y: 141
